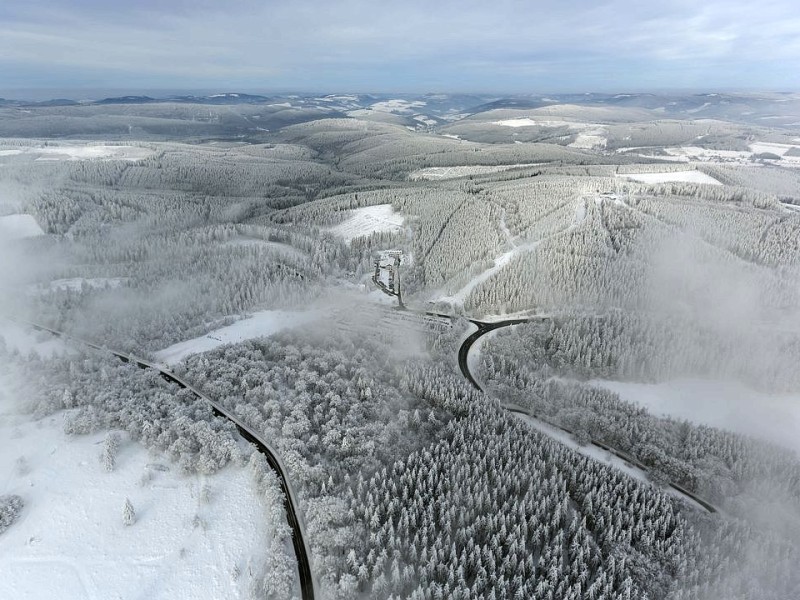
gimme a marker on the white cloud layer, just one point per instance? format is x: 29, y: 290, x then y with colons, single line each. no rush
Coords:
x: 354, y: 44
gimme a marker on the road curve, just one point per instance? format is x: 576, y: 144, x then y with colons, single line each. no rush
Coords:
x: 307, y: 583
x: 463, y: 364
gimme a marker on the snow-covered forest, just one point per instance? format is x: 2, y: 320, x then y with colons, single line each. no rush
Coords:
x: 240, y: 260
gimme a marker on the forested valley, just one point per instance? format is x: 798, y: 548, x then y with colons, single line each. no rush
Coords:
x: 175, y: 241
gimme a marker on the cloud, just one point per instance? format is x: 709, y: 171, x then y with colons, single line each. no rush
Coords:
x: 355, y: 44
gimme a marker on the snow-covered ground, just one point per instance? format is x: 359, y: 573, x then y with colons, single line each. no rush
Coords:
x: 589, y: 140
x: 397, y: 105
x: 15, y: 227
x: 676, y: 176
x: 80, y: 152
x: 778, y: 149
x: 425, y: 120
x: 262, y: 323
x: 592, y: 135
x: 723, y: 157
x: 435, y: 173
x: 721, y: 404
x: 528, y: 122
x: 70, y: 542
x: 367, y: 220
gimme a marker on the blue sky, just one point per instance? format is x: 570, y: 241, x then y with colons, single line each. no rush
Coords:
x: 354, y: 45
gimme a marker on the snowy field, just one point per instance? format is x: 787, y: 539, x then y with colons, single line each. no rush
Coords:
x: 70, y: 542
x: 719, y: 404
x: 589, y: 140
x: 80, y: 152
x: 436, y: 173
x: 778, y: 149
x: 676, y: 176
x: 723, y: 157
x: 397, y: 105
x: 16, y: 227
x: 591, y: 135
x: 528, y: 122
x: 367, y: 220
x: 262, y: 323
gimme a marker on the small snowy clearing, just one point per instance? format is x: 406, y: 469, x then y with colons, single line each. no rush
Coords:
x: 552, y: 123
x: 263, y: 323
x: 588, y: 141
x: 767, y: 147
x: 397, y: 106
x: 425, y: 120
x: 70, y: 542
x: 527, y: 122
x: 435, y: 173
x: 721, y: 404
x: 16, y: 227
x: 367, y: 220
x: 82, y: 152
x: 696, y: 153
x: 675, y: 176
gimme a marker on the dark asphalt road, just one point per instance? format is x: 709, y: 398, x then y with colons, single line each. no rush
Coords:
x: 307, y: 585
x: 483, y: 329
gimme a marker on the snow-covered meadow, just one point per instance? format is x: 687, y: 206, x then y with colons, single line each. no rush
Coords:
x: 192, y: 536
x: 436, y: 173
x: 670, y: 177
x: 261, y: 323
x: 79, y: 152
x: 367, y: 220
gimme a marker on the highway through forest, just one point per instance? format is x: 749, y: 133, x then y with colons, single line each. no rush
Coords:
x: 307, y: 583
x: 302, y: 553
x: 485, y: 327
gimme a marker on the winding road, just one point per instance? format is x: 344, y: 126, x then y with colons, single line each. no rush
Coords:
x: 485, y: 327
x: 307, y: 583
